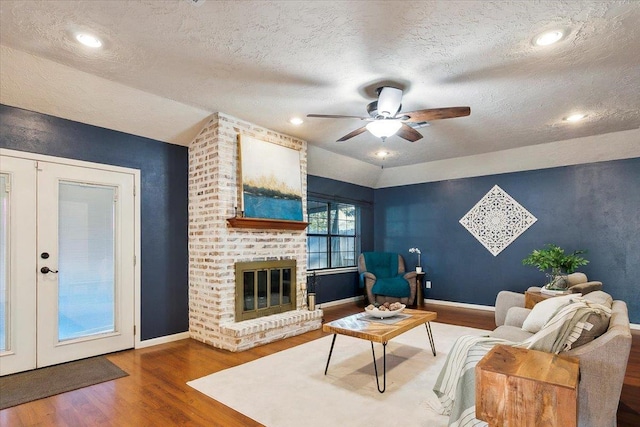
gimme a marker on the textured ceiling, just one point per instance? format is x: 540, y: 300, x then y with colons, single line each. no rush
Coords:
x: 266, y: 61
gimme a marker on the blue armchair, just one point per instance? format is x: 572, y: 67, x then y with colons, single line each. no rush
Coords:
x: 383, y: 276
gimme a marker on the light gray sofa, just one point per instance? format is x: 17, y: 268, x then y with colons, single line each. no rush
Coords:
x: 603, y: 361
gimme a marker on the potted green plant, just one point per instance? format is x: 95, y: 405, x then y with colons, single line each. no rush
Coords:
x: 553, y: 261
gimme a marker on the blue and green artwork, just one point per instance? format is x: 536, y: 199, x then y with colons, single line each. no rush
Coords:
x: 271, y: 180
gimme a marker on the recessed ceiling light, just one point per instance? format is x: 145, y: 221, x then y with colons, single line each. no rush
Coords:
x: 575, y: 117
x: 296, y: 121
x: 549, y: 37
x: 88, y: 40
x: 382, y: 153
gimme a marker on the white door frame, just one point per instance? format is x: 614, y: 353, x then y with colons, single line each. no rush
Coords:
x: 137, y: 221
x: 118, y: 189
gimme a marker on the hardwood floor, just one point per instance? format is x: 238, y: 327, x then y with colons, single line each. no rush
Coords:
x: 156, y: 394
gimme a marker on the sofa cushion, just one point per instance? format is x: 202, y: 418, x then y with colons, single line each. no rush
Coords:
x: 516, y: 316
x: 599, y: 297
x: 510, y: 333
x: 586, y: 287
x: 543, y: 311
x: 600, y: 324
x: 576, y: 278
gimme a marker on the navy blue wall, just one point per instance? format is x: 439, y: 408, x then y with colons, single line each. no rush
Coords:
x: 593, y: 206
x: 164, y: 199
x: 344, y: 285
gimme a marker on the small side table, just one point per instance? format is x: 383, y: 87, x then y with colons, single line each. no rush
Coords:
x: 420, y: 289
x: 531, y: 298
x: 520, y: 387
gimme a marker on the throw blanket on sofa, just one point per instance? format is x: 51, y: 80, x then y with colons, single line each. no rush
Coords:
x: 456, y: 383
x: 564, y: 327
x: 455, y: 386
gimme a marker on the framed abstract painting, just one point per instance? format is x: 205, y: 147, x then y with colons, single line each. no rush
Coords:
x: 271, y: 180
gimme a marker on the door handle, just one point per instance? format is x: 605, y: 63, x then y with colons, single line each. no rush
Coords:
x: 45, y: 270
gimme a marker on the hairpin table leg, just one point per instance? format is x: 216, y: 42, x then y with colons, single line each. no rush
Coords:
x: 384, y: 366
x: 333, y: 341
x: 433, y: 346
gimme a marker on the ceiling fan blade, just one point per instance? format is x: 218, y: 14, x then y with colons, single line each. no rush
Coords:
x: 436, y: 114
x: 352, y: 134
x: 408, y: 133
x: 336, y: 116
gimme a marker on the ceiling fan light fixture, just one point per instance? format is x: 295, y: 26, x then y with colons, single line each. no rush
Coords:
x: 296, y: 121
x: 389, y: 101
x: 382, y: 154
x: 384, y: 128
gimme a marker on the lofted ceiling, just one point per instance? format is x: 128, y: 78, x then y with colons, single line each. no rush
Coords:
x: 268, y: 61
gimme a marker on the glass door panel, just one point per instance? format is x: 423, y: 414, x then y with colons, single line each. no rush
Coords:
x: 67, y: 262
x: 249, y: 291
x: 275, y: 287
x: 86, y: 260
x: 262, y: 289
x: 286, y: 286
x: 86, y: 281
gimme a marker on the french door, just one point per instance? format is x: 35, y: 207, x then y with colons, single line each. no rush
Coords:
x: 67, y: 246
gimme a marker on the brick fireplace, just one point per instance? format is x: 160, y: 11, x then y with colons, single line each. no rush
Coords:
x: 215, y: 246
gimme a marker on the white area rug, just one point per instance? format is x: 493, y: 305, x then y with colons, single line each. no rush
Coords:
x: 289, y: 388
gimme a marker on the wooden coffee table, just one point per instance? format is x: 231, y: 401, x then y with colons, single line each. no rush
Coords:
x: 355, y: 326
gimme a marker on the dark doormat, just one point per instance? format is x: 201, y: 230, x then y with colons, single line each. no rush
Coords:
x: 24, y: 387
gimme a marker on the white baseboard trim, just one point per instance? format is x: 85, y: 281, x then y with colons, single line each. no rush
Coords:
x: 340, y: 301
x: 185, y: 335
x: 163, y: 340
x: 460, y: 304
x: 428, y: 301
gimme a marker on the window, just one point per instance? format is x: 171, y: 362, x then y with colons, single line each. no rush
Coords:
x: 332, y: 238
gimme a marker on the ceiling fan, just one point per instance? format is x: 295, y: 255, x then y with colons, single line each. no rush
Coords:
x: 385, y: 118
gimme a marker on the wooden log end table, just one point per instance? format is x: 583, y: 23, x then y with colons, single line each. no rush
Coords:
x: 520, y: 387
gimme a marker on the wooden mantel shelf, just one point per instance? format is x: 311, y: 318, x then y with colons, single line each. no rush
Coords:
x: 266, y: 223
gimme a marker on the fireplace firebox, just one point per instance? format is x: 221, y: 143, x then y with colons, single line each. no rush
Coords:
x: 264, y: 288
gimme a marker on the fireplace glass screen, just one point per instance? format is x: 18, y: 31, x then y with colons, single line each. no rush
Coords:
x: 264, y: 288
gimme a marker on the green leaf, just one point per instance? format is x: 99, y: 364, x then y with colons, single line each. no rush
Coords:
x: 554, y: 257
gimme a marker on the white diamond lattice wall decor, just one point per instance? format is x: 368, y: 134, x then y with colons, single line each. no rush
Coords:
x: 497, y: 220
